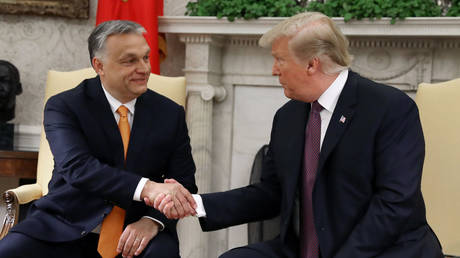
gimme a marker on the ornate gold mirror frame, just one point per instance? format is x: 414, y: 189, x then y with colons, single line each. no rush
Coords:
x: 65, y: 8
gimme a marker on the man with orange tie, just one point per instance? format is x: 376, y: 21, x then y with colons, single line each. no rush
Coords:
x: 112, y: 140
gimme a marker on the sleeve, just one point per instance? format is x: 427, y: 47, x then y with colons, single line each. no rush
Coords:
x: 399, y: 156
x: 181, y: 166
x: 74, y: 161
x: 254, y: 202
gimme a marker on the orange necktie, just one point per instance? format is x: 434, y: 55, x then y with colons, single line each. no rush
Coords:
x: 112, y: 225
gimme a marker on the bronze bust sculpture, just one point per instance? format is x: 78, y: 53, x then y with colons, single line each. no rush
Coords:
x: 10, y: 86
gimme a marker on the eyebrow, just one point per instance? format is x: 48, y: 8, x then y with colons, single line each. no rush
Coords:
x: 129, y: 55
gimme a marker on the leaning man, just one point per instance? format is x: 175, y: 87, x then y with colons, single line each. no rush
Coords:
x: 112, y: 140
x: 344, y: 163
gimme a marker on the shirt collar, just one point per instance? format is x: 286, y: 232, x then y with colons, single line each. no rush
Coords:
x: 329, y: 98
x: 115, y: 104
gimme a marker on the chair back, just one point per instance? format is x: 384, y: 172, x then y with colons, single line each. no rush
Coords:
x: 171, y: 87
x: 268, y: 229
x: 439, y: 106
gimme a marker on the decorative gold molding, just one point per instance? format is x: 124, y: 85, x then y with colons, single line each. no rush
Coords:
x: 65, y: 8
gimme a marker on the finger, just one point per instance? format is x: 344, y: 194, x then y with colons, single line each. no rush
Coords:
x: 128, y: 244
x: 142, y: 246
x: 167, y: 210
x: 178, y: 206
x: 165, y: 201
x: 180, y: 196
x: 189, y: 209
x: 122, y: 241
x: 137, y: 241
x: 158, y: 200
x: 188, y: 198
x: 170, y: 181
x: 174, y: 213
x: 147, y: 201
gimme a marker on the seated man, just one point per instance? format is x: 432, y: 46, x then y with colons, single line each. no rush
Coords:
x: 344, y: 163
x: 112, y: 140
x: 10, y: 86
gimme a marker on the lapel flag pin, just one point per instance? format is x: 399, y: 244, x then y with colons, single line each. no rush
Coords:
x: 342, y: 119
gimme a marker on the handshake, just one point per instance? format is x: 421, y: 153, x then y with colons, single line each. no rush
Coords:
x: 170, y: 198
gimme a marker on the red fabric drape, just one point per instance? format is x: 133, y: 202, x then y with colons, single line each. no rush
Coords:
x: 144, y: 12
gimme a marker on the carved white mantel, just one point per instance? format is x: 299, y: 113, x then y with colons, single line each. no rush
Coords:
x: 232, y: 96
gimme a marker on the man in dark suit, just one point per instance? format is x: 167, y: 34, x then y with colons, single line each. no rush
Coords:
x: 104, y: 170
x: 344, y: 164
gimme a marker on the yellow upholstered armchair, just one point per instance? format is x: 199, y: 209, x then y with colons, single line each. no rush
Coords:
x: 172, y: 87
x: 439, y: 106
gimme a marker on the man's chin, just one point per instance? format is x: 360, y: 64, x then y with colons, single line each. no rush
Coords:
x: 142, y: 88
x: 287, y: 93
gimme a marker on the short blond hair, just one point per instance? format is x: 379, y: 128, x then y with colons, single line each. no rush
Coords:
x: 312, y: 34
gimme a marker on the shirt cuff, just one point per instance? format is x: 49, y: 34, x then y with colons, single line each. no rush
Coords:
x: 139, y: 188
x: 200, y: 212
x: 162, y: 226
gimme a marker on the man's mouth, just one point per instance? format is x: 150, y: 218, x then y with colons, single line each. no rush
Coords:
x: 140, y: 80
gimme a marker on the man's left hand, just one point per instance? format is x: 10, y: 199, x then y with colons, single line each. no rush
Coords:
x: 136, y: 237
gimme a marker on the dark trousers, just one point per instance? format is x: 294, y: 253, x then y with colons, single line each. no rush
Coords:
x: 18, y: 245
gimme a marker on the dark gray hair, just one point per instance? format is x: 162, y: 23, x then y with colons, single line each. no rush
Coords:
x: 97, y: 39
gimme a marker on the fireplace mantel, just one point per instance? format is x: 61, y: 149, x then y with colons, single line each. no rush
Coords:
x: 410, y: 27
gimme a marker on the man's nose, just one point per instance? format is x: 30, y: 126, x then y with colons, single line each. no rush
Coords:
x: 144, y: 67
x: 275, y: 70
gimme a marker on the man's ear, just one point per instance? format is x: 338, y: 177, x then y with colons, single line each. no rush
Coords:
x: 313, y: 66
x: 98, y: 66
x: 18, y: 88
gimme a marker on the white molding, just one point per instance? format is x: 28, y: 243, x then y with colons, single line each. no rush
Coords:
x: 412, y: 27
x: 27, y: 137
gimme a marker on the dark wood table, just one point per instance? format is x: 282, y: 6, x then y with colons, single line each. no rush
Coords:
x: 21, y: 164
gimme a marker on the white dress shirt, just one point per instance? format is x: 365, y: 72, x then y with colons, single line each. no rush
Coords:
x: 328, y: 101
x: 131, y: 105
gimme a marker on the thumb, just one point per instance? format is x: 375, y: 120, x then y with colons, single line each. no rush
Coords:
x: 170, y: 181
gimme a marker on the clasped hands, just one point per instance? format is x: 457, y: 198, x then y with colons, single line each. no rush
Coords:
x: 170, y: 198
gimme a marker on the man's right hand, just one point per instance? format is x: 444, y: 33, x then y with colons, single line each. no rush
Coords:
x: 180, y: 201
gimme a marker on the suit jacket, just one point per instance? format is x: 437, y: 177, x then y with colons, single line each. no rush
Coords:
x: 90, y: 174
x: 367, y: 200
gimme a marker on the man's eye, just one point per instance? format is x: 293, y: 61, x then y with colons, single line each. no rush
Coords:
x: 129, y: 61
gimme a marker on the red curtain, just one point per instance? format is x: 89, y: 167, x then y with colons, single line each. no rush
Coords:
x: 144, y: 12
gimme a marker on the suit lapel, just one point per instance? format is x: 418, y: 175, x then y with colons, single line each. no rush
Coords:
x: 295, y: 144
x: 341, y: 118
x: 139, y: 129
x: 100, y: 107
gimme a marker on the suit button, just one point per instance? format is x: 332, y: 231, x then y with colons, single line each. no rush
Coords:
x: 323, y: 229
x: 83, y: 233
x: 163, y: 176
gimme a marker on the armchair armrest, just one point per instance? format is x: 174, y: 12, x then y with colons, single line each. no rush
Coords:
x: 9, y: 204
x: 27, y: 193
